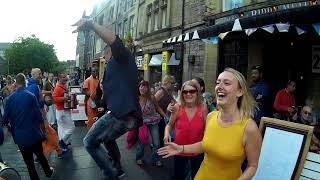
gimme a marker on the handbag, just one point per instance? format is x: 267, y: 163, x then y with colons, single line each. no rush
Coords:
x: 144, y: 134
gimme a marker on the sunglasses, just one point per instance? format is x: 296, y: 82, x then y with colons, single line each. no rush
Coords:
x: 193, y: 91
x: 307, y: 113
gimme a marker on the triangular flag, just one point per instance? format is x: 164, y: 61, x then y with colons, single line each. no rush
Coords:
x: 164, y: 41
x: 173, y: 40
x: 300, y: 31
x: 214, y: 40
x: 195, y: 35
x: 269, y: 28
x: 283, y: 27
x: 169, y: 40
x: 316, y: 27
x: 223, y: 35
x: 180, y: 38
x: 186, y: 38
x: 250, y: 31
x: 237, y: 25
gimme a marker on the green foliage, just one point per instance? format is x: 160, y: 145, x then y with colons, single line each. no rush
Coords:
x: 30, y: 52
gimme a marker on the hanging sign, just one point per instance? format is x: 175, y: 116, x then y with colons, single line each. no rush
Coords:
x: 145, y: 62
x: 315, y: 59
x: 164, y: 61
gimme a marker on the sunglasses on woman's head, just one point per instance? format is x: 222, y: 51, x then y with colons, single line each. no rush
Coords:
x: 193, y: 91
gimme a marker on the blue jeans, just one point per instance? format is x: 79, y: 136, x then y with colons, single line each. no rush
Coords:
x: 154, y: 132
x: 107, y: 128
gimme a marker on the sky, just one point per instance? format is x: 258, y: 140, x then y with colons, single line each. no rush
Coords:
x: 49, y: 20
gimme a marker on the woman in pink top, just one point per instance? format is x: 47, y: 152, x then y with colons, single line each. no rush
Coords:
x: 189, y: 117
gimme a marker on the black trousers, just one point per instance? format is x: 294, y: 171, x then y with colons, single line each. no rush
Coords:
x: 27, y: 154
x: 162, y: 126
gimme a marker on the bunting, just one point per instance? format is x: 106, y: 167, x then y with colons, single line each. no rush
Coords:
x: 237, y: 25
x: 283, y: 27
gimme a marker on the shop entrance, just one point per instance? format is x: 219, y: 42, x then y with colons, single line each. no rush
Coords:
x: 287, y: 56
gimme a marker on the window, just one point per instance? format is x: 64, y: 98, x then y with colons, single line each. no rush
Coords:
x: 100, y: 21
x: 232, y: 4
x: 164, y: 3
x: 156, y: 15
x: 164, y: 17
x: 149, y: 22
x: 111, y: 14
x: 120, y: 30
x: 131, y: 25
x: 130, y: 3
x: 125, y: 27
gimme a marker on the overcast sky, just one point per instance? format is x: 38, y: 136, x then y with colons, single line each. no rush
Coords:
x: 49, y: 20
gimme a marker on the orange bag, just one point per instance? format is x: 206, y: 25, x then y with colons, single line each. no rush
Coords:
x: 52, y: 141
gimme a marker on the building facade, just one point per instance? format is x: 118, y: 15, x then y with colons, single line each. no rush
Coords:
x: 156, y: 25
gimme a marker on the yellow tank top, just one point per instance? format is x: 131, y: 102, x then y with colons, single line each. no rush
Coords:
x: 224, y: 150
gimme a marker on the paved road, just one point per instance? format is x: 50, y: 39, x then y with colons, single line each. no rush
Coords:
x: 78, y: 165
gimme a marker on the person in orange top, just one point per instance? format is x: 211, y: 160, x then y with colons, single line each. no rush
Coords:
x: 230, y: 136
x: 64, y: 121
x: 90, y: 90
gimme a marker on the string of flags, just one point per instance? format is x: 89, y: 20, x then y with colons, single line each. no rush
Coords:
x: 281, y: 27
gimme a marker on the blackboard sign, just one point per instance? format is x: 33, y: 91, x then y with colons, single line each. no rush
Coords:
x: 284, y: 149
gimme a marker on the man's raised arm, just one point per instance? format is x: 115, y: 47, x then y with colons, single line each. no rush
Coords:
x: 87, y: 24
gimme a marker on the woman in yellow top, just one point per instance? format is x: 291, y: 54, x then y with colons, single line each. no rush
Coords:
x: 231, y: 135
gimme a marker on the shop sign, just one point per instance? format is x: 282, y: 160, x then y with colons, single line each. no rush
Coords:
x: 265, y: 10
x: 145, y: 62
x: 164, y: 61
x: 315, y: 59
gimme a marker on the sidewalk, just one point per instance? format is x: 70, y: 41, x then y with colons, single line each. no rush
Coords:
x: 78, y: 165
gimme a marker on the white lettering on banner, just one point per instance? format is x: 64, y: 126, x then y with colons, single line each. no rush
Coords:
x: 259, y: 12
x: 315, y: 59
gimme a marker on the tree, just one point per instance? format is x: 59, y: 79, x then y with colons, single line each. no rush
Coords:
x: 30, y: 52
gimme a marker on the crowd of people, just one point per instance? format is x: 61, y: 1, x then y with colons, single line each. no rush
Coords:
x: 209, y: 134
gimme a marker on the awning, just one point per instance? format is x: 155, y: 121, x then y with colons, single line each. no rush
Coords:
x: 156, y: 60
x: 173, y: 61
x: 301, y: 15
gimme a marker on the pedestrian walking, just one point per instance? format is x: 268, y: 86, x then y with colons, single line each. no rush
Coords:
x: 25, y: 119
x: 120, y: 85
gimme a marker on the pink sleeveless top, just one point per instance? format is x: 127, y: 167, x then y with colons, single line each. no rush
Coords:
x: 189, y: 132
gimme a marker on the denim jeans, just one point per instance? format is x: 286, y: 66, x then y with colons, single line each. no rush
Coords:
x: 107, y: 128
x: 154, y: 132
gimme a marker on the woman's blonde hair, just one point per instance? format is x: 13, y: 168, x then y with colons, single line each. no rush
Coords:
x: 197, y: 87
x: 167, y: 79
x: 246, y: 103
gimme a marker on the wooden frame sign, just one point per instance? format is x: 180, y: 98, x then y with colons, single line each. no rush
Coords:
x: 284, y: 149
